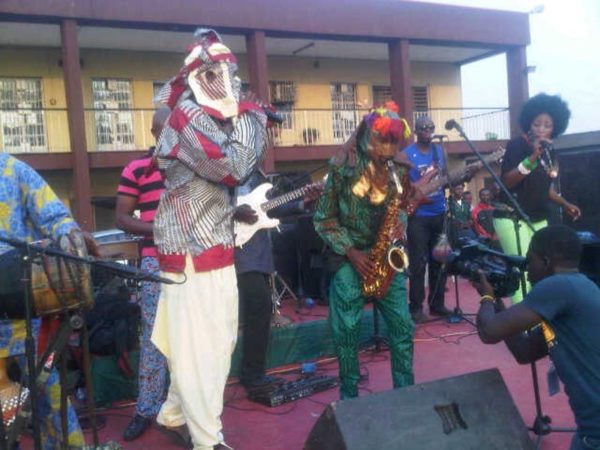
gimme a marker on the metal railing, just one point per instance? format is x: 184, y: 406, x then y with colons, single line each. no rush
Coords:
x: 479, y: 124
x: 46, y: 130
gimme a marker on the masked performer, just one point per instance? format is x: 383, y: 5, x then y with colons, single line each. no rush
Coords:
x: 358, y: 216
x: 529, y: 174
x: 212, y: 141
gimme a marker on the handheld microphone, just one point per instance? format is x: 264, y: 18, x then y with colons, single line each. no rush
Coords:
x: 439, y: 136
x: 450, y: 124
x: 272, y: 115
x: 546, y: 159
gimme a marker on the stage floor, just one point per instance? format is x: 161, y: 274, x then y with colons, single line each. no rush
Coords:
x: 441, y: 350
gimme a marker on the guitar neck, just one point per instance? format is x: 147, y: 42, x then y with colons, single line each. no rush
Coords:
x: 461, y: 173
x: 285, y: 198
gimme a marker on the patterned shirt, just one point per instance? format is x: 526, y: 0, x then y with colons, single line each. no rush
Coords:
x: 343, y: 219
x: 29, y: 210
x: 201, y: 161
x: 145, y: 185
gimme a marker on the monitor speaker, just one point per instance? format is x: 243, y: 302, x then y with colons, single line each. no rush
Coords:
x: 468, y: 412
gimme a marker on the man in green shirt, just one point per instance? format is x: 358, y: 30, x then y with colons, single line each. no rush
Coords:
x: 460, y: 215
x: 354, y: 201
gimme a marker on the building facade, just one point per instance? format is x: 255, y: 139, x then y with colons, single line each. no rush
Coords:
x: 77, y: 79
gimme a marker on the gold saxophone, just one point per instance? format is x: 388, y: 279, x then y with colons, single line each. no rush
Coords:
x: 387, y: 255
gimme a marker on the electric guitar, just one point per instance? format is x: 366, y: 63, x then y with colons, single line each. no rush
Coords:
x: 452, y: 178
x: 257, y: 200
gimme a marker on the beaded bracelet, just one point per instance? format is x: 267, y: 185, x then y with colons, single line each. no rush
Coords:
x: 487, y: 299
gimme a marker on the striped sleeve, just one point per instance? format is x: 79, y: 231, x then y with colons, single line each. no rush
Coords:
x: 128, y: 184
x: 227, y: 163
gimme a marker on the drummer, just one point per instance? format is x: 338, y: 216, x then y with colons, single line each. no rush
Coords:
x: 30, y: 210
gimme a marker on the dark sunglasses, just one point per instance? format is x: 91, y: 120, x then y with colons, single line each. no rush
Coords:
x: 426, y: 128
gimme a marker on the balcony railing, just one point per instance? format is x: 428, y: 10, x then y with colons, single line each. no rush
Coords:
x: 479, y: 124
x: 46, y: 130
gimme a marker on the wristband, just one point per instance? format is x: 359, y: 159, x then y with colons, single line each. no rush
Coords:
x: 528, y: 164
x: 487, y: 299
x: 522, y: 169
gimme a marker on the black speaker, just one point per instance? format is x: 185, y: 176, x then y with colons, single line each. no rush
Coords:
x: 469, y: 412
x: 580, y: 184
x: 590, y: 261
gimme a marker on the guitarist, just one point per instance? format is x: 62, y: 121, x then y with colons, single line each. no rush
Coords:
x: 254, y: 265
x: 426, y: 226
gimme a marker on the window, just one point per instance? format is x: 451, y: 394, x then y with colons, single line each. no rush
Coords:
x: 113, y: 116
x: 381, y: 94
x: 282, y: 95
x: 345, y: 115
x: 156, y: 87
x: 21, y: 115
x: 420, y: 98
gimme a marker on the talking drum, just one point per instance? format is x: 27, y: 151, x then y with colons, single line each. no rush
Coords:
x: 57, y: 285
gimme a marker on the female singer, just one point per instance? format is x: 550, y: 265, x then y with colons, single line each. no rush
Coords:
x: 528, y: 170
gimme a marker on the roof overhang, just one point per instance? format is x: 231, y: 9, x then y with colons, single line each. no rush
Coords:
x: 378, y: 21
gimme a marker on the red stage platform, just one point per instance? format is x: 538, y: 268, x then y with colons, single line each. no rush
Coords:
x: 441, y: 350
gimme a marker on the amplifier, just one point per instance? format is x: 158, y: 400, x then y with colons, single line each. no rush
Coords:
x: 292, y: 390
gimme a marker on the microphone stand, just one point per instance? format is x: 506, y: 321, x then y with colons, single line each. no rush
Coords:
x: 37, y: 375
x: 541, y: 425
x: 457, y: 314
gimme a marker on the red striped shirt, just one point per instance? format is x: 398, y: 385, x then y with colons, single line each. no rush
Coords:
x: 137, y: 180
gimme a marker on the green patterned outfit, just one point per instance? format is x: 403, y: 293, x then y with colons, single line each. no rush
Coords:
x: 345, y: 220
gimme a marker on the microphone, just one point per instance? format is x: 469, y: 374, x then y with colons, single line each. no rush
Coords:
x: 439, y: 136
x: 450, y: 124
x: 272, y: 115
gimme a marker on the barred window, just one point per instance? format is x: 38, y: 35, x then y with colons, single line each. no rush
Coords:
x: 282, y: 95
x: 345, y: 115
x: 22, y: 120
x: 156, y: 87
x: 382, y: 94
x: 112, y: 101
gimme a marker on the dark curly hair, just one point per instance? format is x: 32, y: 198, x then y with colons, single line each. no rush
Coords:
x: 553, y: 105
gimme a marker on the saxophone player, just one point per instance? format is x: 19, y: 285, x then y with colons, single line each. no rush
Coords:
x: 355, y: 202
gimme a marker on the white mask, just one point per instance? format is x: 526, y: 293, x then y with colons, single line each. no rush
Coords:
x: 216, y: 87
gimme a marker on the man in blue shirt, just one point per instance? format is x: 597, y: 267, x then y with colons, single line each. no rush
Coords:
x: 426, y: 225
x: 567, y: 304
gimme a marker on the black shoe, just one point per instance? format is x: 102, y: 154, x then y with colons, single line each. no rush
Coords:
x: 443, y: 311
x: 136, y: 427
x: 179, y: 435
x: 418, y: 317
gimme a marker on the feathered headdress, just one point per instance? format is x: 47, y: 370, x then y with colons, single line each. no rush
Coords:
x: 386, y: 122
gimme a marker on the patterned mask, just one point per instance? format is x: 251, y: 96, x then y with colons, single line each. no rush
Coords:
x: 216, y: 86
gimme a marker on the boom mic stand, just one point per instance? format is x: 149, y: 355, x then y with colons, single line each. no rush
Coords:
x: 541, y: 424
x: 37, y: 375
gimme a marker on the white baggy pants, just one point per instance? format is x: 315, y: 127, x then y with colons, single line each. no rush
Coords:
x: 196, y: 328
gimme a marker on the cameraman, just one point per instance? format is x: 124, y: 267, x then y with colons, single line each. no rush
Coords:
x: 567, y: 304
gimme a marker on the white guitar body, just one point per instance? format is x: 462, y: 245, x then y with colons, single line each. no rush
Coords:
x: 255, y: 199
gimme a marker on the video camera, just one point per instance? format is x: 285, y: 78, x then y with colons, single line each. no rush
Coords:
x: 503, y: 271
